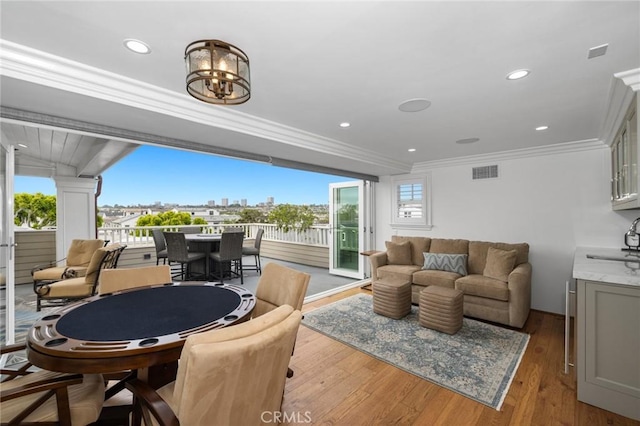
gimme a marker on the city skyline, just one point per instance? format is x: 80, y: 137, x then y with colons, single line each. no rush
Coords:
x: 151, y: 174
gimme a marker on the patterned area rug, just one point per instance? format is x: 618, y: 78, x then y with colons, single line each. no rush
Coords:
x: 478, y: 362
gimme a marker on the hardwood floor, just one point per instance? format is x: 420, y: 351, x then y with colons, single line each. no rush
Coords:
x: 334, y: 384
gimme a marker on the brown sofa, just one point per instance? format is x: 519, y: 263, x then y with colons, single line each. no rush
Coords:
x: 497, y: 283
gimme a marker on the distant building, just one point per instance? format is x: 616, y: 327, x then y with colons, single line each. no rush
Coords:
x: 270, y: 200
x: 211, y: 203
x: 225, y: 202
x: 243, y: 202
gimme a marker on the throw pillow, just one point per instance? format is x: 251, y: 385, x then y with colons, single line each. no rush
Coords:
x: 398, y: 253
x: 446, y: 262
x: 499, y: 264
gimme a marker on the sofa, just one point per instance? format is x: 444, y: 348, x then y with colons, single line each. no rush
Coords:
x: 494, y: 277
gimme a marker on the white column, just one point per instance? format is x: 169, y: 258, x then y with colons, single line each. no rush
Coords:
x: 75, y: 211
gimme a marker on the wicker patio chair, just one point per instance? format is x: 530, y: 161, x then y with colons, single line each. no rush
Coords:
x: 61, y: 292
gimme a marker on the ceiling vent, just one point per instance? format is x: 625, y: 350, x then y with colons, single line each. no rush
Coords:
x: 485, y: 172
x: 594, y: 52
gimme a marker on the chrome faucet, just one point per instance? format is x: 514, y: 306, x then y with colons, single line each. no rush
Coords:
x: 632, y: 232
x: 631, y: 237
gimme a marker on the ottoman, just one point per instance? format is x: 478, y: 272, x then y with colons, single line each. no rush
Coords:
x: 441, y: 309
x: 392, y: 297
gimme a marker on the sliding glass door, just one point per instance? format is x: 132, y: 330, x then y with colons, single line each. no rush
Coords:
x: 346, y: 221
x: 7, y: 246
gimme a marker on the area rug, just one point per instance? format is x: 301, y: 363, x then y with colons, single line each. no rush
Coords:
x: 478, y: 362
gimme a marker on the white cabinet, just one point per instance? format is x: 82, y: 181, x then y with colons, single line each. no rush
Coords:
x: 624, y: 162
x: 608, y: 346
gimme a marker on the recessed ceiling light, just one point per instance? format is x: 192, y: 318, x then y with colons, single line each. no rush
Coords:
x: 345, y: 124
x: 137, y: 46
x: 468, y: 140
x: 517, y: 74
x: 414, y: 105
x: 21, y: 145
x: 542, y: 127
x: 411, y: 150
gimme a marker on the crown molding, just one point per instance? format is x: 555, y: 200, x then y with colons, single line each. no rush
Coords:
x: 561, y: 148
x: 631, y: 78
x: 38, y: 67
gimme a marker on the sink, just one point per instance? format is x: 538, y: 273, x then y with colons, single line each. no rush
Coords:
x: 631, y: 258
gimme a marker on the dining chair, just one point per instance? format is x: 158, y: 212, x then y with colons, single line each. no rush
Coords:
x: 230, y: 253
x: 161, y: 246
x: 227, y: 376
x: 255, y: 252
x: 191, y: 230
x: 113, y: 280
x: 177, y: 251
x: 279, y: 286
x: 73, y: 266
x: 61, y: 292
x: 47, y: 397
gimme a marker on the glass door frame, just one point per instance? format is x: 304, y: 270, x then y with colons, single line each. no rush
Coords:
x: 7, y: 242
x: 333, y: 231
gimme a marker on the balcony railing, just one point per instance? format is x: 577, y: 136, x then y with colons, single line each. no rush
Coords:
x: 141, y: 236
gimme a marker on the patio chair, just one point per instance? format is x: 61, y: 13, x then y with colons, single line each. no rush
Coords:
x: 161, y: 246
x: 230, y: 253
x: 255, y: 252
x: 49, y: 397
x: 227, y: 376
x: 73, y: 266
x: 61, y: 292
x: 177, y: 251
x: 280, y: 286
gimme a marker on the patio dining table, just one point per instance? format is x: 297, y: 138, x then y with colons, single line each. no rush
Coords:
x: 204, y: 243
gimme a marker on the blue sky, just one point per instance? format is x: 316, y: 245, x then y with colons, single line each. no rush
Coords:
x: 151, y: 174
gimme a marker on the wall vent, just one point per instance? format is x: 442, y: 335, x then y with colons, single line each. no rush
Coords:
x: 485, y: 172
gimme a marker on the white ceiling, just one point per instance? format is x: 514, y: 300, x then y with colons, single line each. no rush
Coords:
x: 316, y: 64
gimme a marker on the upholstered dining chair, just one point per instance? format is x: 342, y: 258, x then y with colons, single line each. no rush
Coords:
x: 230, y: 253
x: 178, y: 251
x: 112, y: 280
x: 49, y: 398
x: 227, y: 376
x: 62, y: 292
x: 73, y: 266
x: 161, y: 246
x: 279, y: 286
x: 255, y: 252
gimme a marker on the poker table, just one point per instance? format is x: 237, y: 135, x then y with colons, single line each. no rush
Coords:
x: 133, y: 329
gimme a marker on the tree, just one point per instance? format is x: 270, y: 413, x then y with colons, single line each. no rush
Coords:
x: 199, y: 221
x: 169, y: 218
x: 289, y: 217
x: 251, y: 216
x: 35, y: 210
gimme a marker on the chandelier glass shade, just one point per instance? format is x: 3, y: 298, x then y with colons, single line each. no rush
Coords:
x: 217, y: 72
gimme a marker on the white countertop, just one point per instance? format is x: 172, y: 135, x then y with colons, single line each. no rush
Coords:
x: 610, y: 271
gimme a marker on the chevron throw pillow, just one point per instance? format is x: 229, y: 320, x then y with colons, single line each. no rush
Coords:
x: 446, y: 262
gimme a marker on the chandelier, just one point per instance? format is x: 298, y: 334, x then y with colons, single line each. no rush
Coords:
x: 217, y: 72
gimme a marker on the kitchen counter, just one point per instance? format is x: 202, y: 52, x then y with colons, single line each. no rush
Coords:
x: 625, y: 271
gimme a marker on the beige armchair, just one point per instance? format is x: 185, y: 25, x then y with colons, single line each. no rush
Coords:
x: 73, y: 266
x: 279, y: 285
x: 59, y: 293
x: 48, y: 397
x: 228, y: 376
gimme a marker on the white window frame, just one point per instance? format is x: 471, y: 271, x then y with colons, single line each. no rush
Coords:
x: 423, y: 222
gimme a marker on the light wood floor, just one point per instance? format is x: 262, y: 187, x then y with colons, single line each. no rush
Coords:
x: 334, y: 384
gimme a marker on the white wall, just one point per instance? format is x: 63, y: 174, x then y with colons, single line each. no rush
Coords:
x: 555, y: 200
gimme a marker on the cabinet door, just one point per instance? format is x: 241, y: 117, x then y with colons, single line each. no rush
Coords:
x: 609, y: 347
x: 624, y: 162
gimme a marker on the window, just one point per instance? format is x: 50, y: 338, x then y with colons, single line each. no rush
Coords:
x: 410, y: 203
